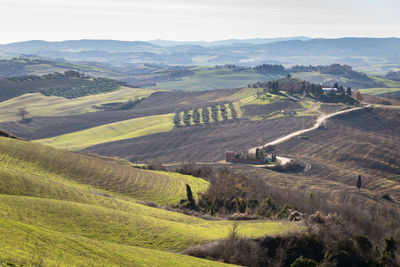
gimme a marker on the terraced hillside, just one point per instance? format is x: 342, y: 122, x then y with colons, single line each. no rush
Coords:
x: 62, y: 208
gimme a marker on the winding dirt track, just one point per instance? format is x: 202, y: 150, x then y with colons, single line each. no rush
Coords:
x: 317, y: 124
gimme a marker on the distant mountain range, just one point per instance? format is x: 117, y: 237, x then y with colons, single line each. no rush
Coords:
x: 357, y: 52
x: 228, y: 42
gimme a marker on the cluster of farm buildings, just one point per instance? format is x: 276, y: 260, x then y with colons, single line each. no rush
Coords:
x: 260, y: 157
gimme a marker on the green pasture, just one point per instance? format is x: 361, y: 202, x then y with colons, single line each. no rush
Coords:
x: 111, y: 132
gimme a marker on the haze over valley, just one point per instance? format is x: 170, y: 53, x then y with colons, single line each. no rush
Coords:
x: 185, y: 133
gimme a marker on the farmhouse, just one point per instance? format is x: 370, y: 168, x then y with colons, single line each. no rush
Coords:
x: 328, y: 90
x: 289, y: 112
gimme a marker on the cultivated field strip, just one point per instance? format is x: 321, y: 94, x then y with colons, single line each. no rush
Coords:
x: 111, y: 132
x: 156, y: 104
x: 39, y: 105
x: 209, y: 141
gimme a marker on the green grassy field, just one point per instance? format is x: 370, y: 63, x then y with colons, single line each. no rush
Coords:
x: 209, y: 79
x: 389, y: 83
x: 245, y: 95
x: 37, y: 246
x: 248, y: 96
x: 379, y: 91
x: 111, y: 132
x: 317, y: 77
x: 39, y: 105
x: 36, y: 164
x: 67, y: 209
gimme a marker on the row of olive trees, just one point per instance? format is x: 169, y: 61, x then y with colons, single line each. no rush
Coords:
x: 86, y: 87
x: 196, y: 116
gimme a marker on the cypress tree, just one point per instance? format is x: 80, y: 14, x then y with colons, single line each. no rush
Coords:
x: 359, y: 183
x: 348, y: 91
x: 189, y: 195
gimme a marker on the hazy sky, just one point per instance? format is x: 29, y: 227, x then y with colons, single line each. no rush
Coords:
x: 195, y: 19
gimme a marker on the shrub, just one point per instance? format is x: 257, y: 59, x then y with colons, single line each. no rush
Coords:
x: 303, y: 262
x: 288, y: 167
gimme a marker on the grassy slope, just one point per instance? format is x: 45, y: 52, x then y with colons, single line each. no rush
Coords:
x: 389, y: 83
x: 39, y: 105
x: 32, y: 165
x: 42, y: 247
x: 112, y: 132
x: 208, y: 79
x: 393, y: 86
x: 139, y: 226
x: 55, y: 209
x: 317, y: 77
x: 379, y: 91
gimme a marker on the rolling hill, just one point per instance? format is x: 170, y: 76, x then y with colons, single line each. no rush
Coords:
x: 111, y: 132
x: 360, y: 52
x: 204, y: 79
x: 157, y: 103
x: 62, y: 208
x: 39, y: 105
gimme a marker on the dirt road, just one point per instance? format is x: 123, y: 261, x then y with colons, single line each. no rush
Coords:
x: 318, y: 123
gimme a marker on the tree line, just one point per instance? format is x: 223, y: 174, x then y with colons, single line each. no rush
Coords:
x: 218, y: 112
x: 87, y: 87
x: 297, y: 86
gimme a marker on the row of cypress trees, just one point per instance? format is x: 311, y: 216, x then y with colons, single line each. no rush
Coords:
x: 196, y: 116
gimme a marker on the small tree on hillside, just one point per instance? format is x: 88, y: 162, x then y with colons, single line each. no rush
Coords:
x: 273, y: 157
x: 389, y: 247
x: 348, y: 91
x: 358, y: 96
x: 22, y: 112
x: 359, y: 183
x: 205, y: 113
x: 186, y: 118
x: 189, y: 195
x: 177, y: 118
x: 196, y: 116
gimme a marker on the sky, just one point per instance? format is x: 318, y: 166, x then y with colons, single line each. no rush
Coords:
x: 195, y: 20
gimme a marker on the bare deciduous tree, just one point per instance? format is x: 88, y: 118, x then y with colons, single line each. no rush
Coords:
x: 22, y: 112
